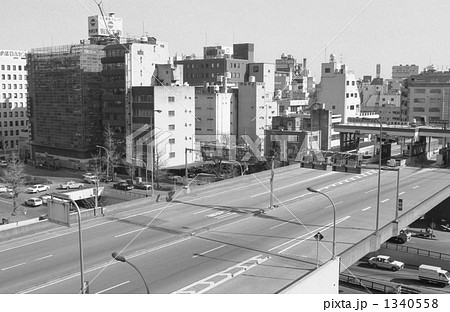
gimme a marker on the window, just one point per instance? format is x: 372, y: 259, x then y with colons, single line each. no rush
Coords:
x: 347, y: 95
x: 327, y: 70
x: 352, y: 107
x: 171, y: 113
x: 348, y: 83
x: 419, y: 91
x: 419, y: 109
x: 435, y: 90
x: 171, y: 141
x: 434, y: 110
x: 419, y: 100
x: 171, y: 127
x: 171, y: 99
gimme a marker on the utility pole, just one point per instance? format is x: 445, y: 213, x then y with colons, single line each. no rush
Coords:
x: 272, y: 173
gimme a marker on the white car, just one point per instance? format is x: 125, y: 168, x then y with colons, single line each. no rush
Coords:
x: 38, y: 188
x: 71, y: 185
x: 45, y: 198
x: 90, y: 178
x: 34, y: 202
x: 386, y: 262
x: 4, y: 189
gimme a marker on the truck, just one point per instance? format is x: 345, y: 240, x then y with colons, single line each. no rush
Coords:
x: 434, y: 275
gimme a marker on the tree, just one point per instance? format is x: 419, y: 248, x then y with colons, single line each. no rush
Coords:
x: 158, y: 167
x: 114, y: 150
x: 14, y: 177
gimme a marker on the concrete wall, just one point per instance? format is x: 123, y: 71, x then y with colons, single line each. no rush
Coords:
x: 324, y: 280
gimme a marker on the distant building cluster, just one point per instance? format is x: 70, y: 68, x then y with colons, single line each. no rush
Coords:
x: 56, y: 102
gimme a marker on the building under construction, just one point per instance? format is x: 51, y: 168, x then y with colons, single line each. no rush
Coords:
x: 64, y: 104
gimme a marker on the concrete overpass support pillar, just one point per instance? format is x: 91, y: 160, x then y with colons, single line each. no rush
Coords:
x: 375, y: 242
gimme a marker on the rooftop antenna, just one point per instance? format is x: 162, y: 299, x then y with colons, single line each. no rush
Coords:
x: 325, y: 55
x: 143, y: 28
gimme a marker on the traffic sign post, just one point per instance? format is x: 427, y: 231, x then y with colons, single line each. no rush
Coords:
x: 318, y: 238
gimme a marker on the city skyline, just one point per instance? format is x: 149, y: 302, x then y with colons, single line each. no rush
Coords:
x: 360, y: 33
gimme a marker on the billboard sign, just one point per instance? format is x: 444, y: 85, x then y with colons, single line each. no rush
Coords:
x: 104, y: 26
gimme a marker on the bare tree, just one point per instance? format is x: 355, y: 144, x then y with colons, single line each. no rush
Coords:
x: 114, y: 150
x: 158, y: 168
x: 14, y: 177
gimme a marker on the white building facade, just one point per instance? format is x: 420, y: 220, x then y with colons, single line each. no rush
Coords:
x: 13, y: 102
x: 338, y: 90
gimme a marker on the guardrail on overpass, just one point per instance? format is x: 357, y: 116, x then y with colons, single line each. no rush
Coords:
x: 373, y: 243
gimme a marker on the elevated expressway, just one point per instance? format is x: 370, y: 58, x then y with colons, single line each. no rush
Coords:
x: 216, y: 240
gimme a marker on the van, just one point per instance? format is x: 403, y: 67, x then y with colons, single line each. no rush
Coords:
x: 433, y: 274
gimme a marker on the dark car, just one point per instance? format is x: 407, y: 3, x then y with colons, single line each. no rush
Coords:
x: 123, y: 186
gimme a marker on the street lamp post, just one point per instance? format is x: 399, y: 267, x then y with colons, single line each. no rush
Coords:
x: 120, y: 258
x: 334, y: 217
x: 379, y: 171
x: 398, y: 190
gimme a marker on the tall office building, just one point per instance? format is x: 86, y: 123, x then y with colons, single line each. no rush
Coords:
x: 13, y: 103
x: 64, y: 103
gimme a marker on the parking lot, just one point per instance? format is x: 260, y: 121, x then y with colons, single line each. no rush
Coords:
x: 110, y: 195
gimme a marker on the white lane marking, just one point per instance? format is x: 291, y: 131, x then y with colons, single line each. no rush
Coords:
x: 383, y: 201
x: 76, y: 231
x: 294, y: 239
x: 297, y: 197
x: 101, y: 266
x: 112, y: 287
x: 366, y: 208
x: 312, y: 234
x: 130, y: 232
x: 225, y: 215
x: 290, y: 185
x: 401, y: 193
x: 371, y: 190
x: 330, y: 206
x: 275, y: 226
x: 43, y: 258
x: 205, y: 252
x: 203, y: 211
x: 219, y: 278
x: 416, y: 187
x: 13, y: 266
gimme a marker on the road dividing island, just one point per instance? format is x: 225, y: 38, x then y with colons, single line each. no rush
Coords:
x: 215, y: 280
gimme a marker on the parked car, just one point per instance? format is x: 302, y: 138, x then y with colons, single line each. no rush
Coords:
x: 34, y: 202
x: 386, y: 262
x: 45, y: 198
x: 4, y: 189
x: 38, y: 188
x: 143, y: 186
x: 3, y: 163
x: 401, y: 238
x: 71, y: 185
x: 123, y: 186
x: 91, y: 178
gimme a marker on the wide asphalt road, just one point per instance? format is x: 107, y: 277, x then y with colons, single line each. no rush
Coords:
x: 214, y: 240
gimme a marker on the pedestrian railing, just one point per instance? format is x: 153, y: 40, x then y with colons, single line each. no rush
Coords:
x: 377, y: 285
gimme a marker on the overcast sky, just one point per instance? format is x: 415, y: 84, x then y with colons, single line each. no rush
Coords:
x: 361, y: 33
